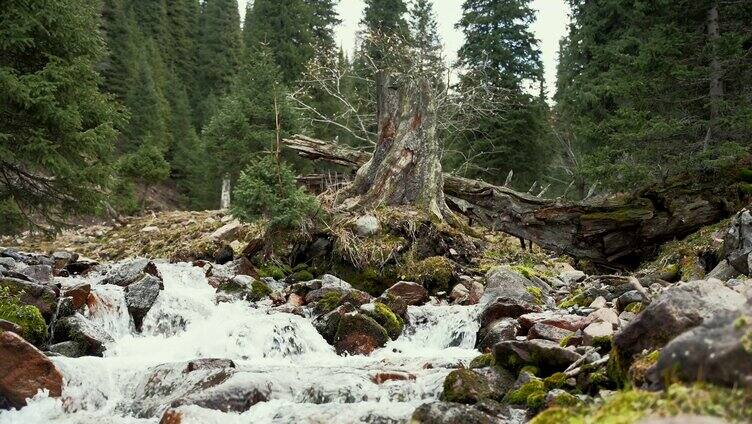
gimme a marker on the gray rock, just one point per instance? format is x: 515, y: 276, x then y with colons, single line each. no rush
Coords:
x: 548, y: 356
x: 70, y: 349
x: 498, y: 331
x: 129, y: 272
x: 508, y: 295
x: 76, y: 328
x: 719, y: 351
x: 677, y: 310
x: 140, y: 297
x: 737, y: 243
x: 484, y: 412
x: 570, y: 277
x: 38, y: 273
x: 548, y: 332
x: 8, y: 263
x: 366, y: 225
x: 724, y: 271
x: 597, y: 333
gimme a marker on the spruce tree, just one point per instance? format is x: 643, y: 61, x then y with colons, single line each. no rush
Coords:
x: 56, y: 128
x: 219, y: 52
x: 501, y: 55
x: 285, y: 28
x: 325, y: 20
x: 428, y: 60
x: 244, y: 125
x: 385, y: 33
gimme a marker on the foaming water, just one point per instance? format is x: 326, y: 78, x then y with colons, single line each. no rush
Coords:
x: 279, y: 360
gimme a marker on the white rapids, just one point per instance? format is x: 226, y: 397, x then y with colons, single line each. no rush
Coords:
x: 277, y: 355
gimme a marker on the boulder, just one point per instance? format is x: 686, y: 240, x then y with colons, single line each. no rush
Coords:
x: 10, y: 326
x: 598, y: 334
x: 366, y: 225
x: 412, y: 293
x: 359, y: 334
x: 128, y: 272
x: 42, y: 296
x: 465, y: 386
x: 548, y: 356
x: 677, y: 310
x: 224, y: 254
x: 140, y: 297
x: 209, y: 363
x: 724, y: 271
x: 227, y: 231
x: 79, y: 293
x: 572, y: 276
x: 70, y: 349
x: 604, y: 315
x: 737, y: 242
x: 76, y: 328
x: 559, y: 319
x: 386, y: 318
x: 62, y: 259
x: 24, y: 370
x: 484, y: 412
x: 719, y: 351
x: 328, y: 324
x: 38, y: 273
x: 549, y: 332
x: 508, y: 295
x: 244, y: 287
x: 498, y: 331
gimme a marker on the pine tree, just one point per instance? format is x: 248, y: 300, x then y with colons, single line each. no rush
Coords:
x: 385, y: 33
x: 501, y: 55
x: 428, y: 60
x: 634, y: 92
x: 181, y: 51
x: 325, y: 20
x: 151, y: 16
x: 284, y: 27
x: 56, y: 128
x: 245, y: 123
x: 219, y: 53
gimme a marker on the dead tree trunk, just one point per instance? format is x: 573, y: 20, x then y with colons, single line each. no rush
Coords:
x: 618, y: 230
x: 405, y: 167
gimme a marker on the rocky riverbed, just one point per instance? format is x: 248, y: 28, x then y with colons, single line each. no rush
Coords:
x: 148, y: 341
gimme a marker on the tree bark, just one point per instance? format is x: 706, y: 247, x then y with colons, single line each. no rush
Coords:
x: 405, y: 167
x: 618, y: 230
x: 716, y: 73
x: 224, y: 200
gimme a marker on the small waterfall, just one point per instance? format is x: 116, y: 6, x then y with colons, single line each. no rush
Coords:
x: 279, y: 359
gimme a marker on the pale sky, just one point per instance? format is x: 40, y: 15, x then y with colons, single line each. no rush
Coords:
x: 549, y: 28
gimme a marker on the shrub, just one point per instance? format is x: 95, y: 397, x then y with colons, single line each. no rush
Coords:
x: 261, y: 193
x: 28, y: 317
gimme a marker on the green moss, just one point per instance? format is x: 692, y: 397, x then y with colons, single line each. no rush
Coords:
x: 745, y: 174
x: 273, y: 271
x: 576, y: 298
x: 632, y: 406
x: 615, y: 370
x: 746, y: 188
x: 623, y: 215
x: 481, y: 361
x: 537, y: 293
x: 635, y: 307
x: 329, y: 302
x: 555, y: 381
x: 259, y: 291
x: 565, y: 341
x: 747, y: 342
x: 530, y: 369
x: 434, y: 273
x: 388, y: 319
x: 602, y: 343
x: 28, y: 317
x: 598, y: 378
x: 531, y: 394
x: 742, y: 322
x: 566, y: 400
x: 639, y: 368
x: 465, y: 386
x: 304, y: 275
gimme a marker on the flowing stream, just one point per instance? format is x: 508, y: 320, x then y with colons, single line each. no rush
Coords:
x: 280, y: 359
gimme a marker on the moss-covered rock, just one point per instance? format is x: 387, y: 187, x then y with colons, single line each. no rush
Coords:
x: 392, y: 323
x: 434, y: 273
x: 277, y: 272
x: 259, y: 291
x: 481, y: 361
x: 465, y: 386
x: 576, y: 298
x: 632, y: 406
x: 639, y: 368
x: 330, y: 301
x: 531, y: 394
x: 359, y: 334
x: 28, y: 317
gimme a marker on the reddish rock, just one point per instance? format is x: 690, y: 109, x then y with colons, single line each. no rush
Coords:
x: 411, y: 293
x: 171, y: 416
x: 79, y: 293
x: 385, y: 376
x: 295, y: 300
x: 24, y: 370
x: 566, y: 321
x: 358, y: 334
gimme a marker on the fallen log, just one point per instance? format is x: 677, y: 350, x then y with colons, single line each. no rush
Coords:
x: 619, y: 229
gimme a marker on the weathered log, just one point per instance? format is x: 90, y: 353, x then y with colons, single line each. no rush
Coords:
x: 619, y: 229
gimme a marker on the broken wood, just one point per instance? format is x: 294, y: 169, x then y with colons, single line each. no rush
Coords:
x: 620, y: 229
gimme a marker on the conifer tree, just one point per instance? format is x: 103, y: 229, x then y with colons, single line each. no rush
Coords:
x: 56, y: 128
x: 219, y: 52
x: 245, y: 123
x: 325, y: 20
x: 285, y: 28
x: 501, y: 54
x: 426, y: 42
